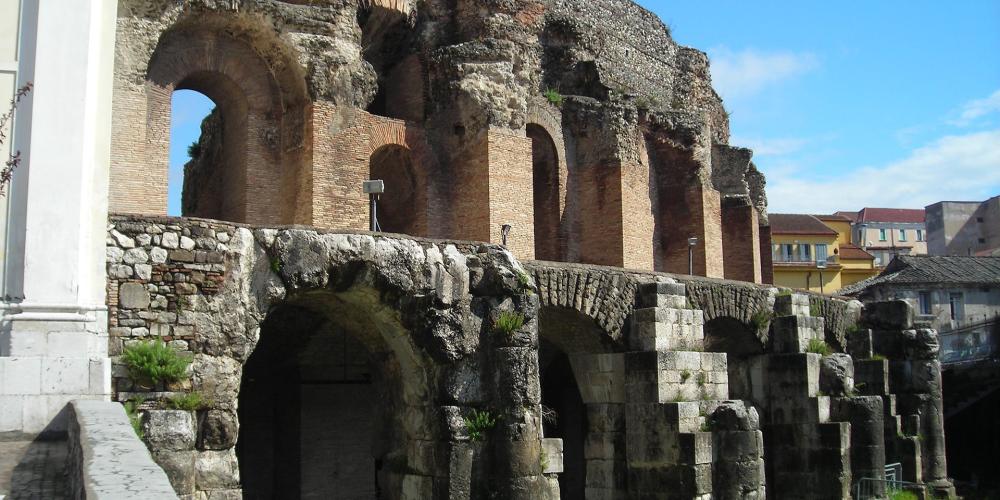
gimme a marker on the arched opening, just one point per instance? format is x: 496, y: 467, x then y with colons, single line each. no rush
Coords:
x: 195, y: 127
x: 546, y: 189
x: 388, y: 44
x: 570, y: 344
x: 327, y: 409
x: 403, y: 206
x: 742, y: 347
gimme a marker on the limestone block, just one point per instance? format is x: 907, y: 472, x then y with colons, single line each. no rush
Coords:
x: 653, y: 431
x: 607, y: 476
x: 186, y: 243
x: 792, y: 333
x: 795, y: 304
x: 601, y: 377
x: 121, y: 240
x: 133, y: 296
x: 20, y: 375
x: 836, y: 375
x: 114, y: 255
x: 606, y: 417
x: 552, y: 453
x: 169, y: 430
x: 661, y: 294
x: 65, y: 375
x: 871, y: 376
x: 888, y: 315
x: 157, y: 255
x: 217, y: 470
x: 11, y: 410
x: 218, y: 430
x: 733, y: 416
x: 69, y: 344
x: 417, y: 487
x: 180, y: 469
x: 143, y: 271
x: 135, y: 256
x: 218, y: 378
x: 604, y: 445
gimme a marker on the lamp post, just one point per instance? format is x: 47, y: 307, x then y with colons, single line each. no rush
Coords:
x: 821, y: 265
x: 504, y: 233
x: 692, y: 241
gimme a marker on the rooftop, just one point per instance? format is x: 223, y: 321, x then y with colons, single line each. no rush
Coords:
x: 920, y: 269
x: 902, y: 215
x: 848, y: 251
x: 798, y: 224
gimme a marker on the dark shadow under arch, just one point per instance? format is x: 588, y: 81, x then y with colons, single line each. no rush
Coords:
x: 403, y: 206
x: 546, y: 193
x: 741, y: 345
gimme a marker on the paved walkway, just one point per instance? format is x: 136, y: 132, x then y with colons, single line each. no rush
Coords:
x: 32, y: 469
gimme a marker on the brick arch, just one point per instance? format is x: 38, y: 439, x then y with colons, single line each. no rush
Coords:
x: 338, y: 199
x: 262, y: 102
x: 604, y: 296
x: 732, y: 302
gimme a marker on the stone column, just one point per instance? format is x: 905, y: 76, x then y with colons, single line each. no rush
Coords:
x: 741, y: 246
x: 53, y: 341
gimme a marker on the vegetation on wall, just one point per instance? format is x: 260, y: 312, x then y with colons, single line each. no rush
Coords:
x: 14, y: 159
x: 508, y: 322
x: 153, y: 363
x: 479, y: 423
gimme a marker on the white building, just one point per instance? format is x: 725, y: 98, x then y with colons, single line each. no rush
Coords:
x: 53, y: 321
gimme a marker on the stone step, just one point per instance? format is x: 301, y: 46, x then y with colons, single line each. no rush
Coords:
x: 792, y: 334
x: 662, y: 377
x: 667, y: 329
x: 661, y: 294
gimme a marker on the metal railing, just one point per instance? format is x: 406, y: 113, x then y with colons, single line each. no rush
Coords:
x: 890, y: 486
x: 970, y: 343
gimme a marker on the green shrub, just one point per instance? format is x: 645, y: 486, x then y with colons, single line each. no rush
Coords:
x: 685, y: 375
x: 524, y: 280
x: 784, y: 293
x: 701, y: 378
x: 479, y: 423
x: 194, y: 149
x: 817, y: 346
x: 815, y: 310
x: 154, y: 362
x: 706, y: 426
x: 132, y: 410
x: 508, y: 322
x: 553, y: 96
x: 188, y: 402
x: 852, y: 330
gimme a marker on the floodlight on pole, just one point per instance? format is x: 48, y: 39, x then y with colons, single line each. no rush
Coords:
x: 504, y: 233
x: 374, y: 189
x: 821, y: 265
x: 692, y: 241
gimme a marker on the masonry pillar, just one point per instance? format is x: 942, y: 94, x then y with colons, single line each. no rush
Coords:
x: 766, y: 258
x: 741, y: 247
x: 693, y: 211
x: 53, y: 328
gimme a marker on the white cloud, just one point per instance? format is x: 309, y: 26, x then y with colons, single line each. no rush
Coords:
x: 964, y: 167
x: 977, y: 109
x: 746, y: 72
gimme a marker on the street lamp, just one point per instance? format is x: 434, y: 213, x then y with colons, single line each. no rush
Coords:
x: 504, y: 233
x: 692, y: 241
x: 821, y: 265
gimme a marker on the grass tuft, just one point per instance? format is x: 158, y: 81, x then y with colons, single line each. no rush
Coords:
x: 553, y: 96
x: 508, y: 322
x: 188, y: 402
x: 132, y: 410
x: 817, y: 346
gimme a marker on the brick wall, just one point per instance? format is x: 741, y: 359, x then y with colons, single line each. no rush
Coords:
x: 740, y: 240
x: 510, y: 190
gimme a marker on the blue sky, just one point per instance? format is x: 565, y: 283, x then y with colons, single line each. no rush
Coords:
x: 846, y: 104
x: 850, y: 104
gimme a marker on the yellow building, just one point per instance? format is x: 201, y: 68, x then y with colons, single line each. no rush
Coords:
x: 814, y: 253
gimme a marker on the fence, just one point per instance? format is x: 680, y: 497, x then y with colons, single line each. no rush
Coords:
x: 970, y: 343
x: 891, y: 486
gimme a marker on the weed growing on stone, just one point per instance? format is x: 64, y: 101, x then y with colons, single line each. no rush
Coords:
x: 132, y: 410
x: 852, y: 330
x: 14, y: 159
x: 479, y: 423
x: 817, y: 346
x: 154, y: 362
x: 815, y: 310
x: 903, y: 495
x: 784, y: 293
x: 508, y: 322
x: 877, y: 357
x: 701, y: 378
x: 524, y: 280
x: 761, y: 319
x: 276, y: 265
x: 706, y: 426
x: 685, y: 375
x: 553, y: 96
x: 194, y: 149
x: 543, y: 459
x: 188, y: 402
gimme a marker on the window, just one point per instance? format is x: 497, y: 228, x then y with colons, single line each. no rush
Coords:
x: 805, y: 253
x: 925, y: 302
x: 902, y: 235
x: 957, y: 305
x: 784, y: 252
x: 920, y: 235
x: 979, y: 219
x: 881, y: 235
x: 821, y: 253
x: 861, y: 237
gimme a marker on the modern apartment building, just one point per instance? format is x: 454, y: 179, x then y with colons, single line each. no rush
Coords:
x: 964, y: 228
x: 888, y: 232
x: 814, y: 252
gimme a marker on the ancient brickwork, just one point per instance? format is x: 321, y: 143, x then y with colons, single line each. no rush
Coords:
x: 309, y: 95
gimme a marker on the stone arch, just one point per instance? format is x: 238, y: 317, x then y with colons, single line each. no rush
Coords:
x: 333, y: 398
x: 260, y: 93
x: 388, y: 46
x: 742, y: 345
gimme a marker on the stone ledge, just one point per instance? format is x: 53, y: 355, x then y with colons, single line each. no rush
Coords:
x: 106, y: 458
